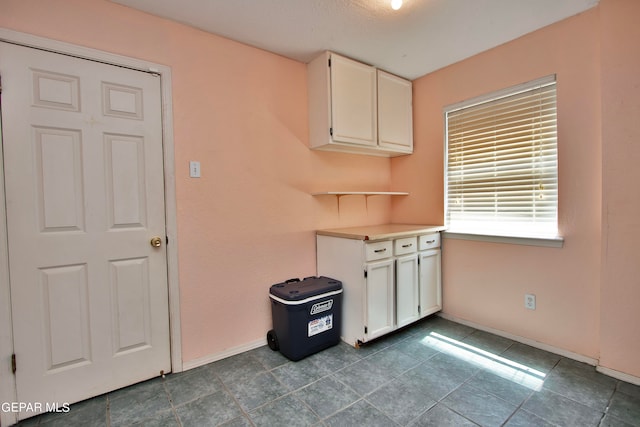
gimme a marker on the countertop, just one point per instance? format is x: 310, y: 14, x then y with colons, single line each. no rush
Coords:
x: 381, y: 232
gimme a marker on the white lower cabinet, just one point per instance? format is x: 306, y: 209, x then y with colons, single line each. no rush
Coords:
x: 407, y: 290
x: 387, y: 284
x: 379, y: 296
x: 430, y: 282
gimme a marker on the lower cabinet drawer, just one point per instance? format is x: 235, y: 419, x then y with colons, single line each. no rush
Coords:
x: 404, y: 246
x: 378, y: 250
x: 429, y: 241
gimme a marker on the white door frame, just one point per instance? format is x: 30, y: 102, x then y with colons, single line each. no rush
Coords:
x: 7, y: 380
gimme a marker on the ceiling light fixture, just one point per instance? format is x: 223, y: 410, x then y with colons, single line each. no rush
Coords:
x: 396, y: 4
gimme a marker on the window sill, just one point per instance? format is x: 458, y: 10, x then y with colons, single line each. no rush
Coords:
x: 549, y: 242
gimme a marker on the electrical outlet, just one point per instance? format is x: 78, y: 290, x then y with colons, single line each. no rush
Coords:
x: 530, y: 301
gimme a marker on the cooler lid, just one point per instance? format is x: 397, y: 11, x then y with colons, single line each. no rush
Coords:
x: 296, y: 289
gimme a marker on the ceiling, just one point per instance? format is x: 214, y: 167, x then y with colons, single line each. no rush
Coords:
x: 423, y: 36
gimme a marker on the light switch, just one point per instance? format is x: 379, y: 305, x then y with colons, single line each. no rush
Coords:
x: 194, y: 169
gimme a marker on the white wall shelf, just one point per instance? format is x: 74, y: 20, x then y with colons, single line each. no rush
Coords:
x: 360, y: 193
x: 366, y: 194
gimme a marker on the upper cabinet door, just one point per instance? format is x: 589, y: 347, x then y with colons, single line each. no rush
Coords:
x: 395, y: 112
x: 353, y: 102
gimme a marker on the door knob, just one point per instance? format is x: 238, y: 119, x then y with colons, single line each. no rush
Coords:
x: 156, y: 241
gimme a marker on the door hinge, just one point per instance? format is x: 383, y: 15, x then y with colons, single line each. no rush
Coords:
x: 365, y: 274
x: 0, y: 84
x: 167, y: 239
x: 365, y: 330
x: 13, y: 364
x: 329, y: 62
x: 331, y: 131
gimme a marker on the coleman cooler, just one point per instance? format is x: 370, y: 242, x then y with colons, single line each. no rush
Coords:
x: 306, y: 316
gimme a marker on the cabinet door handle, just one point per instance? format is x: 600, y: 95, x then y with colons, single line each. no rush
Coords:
x: 430, y: 242
x: 407, y: 246
x: 380, y: 250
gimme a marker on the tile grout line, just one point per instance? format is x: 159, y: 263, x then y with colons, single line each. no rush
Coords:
x: 173, y: 406
x: 606, y: 408
x: 520, y: 406
x: 108, y: 410
x: 468, y: 380
x: 422, y: 362
x: 233, y: 396
x: 290, y: 393
x: 332, y: 375
x: 329, y: 375
x: 534, y: 391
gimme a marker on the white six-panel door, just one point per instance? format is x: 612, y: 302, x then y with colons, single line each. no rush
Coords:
x: 84, y: 184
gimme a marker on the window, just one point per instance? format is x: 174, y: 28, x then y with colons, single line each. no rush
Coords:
x: 501, y: 163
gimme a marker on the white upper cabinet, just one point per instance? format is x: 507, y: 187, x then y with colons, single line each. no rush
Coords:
x: 395, y: 113
x: 356, y: 108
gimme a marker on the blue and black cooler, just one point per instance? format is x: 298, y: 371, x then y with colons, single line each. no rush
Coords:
x: 306, y: 316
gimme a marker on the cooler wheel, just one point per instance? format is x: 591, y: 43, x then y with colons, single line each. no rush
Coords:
x: 272, y: 340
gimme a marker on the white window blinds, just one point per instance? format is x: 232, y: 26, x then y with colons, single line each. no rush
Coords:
x: 501, y: 163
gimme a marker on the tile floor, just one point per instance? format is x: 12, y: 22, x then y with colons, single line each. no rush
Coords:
x: 435, y: 372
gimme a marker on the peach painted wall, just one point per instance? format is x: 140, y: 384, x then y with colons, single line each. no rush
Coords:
x: 620, y: 322
x: 588, y: 291
x: 249, y: 221
x: 485, y: 282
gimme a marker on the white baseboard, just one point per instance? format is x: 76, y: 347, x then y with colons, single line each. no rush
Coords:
x: 533, y: 343
x: 618, y: 375
x: 223, y: 355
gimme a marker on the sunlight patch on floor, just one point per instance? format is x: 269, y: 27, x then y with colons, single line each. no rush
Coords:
x: 504, y: 368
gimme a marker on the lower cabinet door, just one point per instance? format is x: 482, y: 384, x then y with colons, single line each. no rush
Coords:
x: 379, y: 298
x: 407, y: 290
x: 430, y: 282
